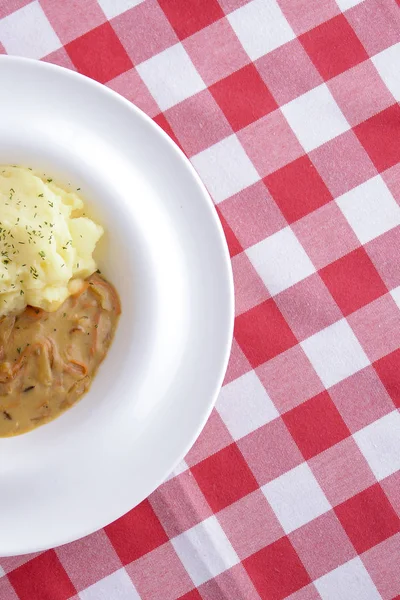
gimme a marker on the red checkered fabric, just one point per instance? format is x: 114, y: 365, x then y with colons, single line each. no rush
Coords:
x: 287, y: 109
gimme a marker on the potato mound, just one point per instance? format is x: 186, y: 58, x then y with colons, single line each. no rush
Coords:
x: 46, y: 241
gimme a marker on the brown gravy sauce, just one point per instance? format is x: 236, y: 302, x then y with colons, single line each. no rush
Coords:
x: 48, y: 360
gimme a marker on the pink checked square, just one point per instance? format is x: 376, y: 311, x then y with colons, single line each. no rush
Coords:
x: 252, y: 214
x: 259, y: 141
x: 322, y: 544
x: 224, y: 477
x: 230, y: 5
x: 144, y: 31
x: 341, y: 471
x: 249, y: 288
x: 88, y: 560
x: 377, y: 327
x: 252, y: 101
x: 198, y: 122
x: 276, y: 570
x: 308, y: 592
x: 368, y: 518
x: 213, y: 438
x: 233, y: 243
x: 290, y: 379
x: 44, y: 573
x: 72, y: 18
x: 376, y: 25
x: 382, y: 563
x: 325, y: 235
x: 59, y: 57
x: 391, y: 487
x: 270, y: 451
x: 307, y: 14
x: 160, y: 574
x: 352, y: 163
x: 216, y: 51
x: 9, y: 563
x: 376, y: 135
x: 238, y: 364
x: 392, y: 179
x: 250, y: 524
x: 179, y: 504
x: 288, y: 71
x: 381, y: 251
x: 335, y: 33
x: 7, y: 592
x: 232, y: 583
x: 361, y: 399
x: 11, y: 6
x: 308, y: 307
x: 131, y: 86
x: 360, y: 92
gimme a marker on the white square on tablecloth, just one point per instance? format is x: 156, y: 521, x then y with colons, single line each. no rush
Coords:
x: 280, y: 260
x: 380, y: 444
x: 225, y: 168
x: 171, y: 76
x: 117, y: 586
x: 387, y: 64
x: 335, y: 353
x: 315, y: 117
x: 261, y: 27
x: 370, y: 209
x: 27, y: 32
x: 296, y: 497
x: 112, y: 8
x: 350, y: 581
x: 244, y: 405
x: 205, y: 551
x: 345, y: 4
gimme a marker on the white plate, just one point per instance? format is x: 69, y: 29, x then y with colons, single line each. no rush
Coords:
x: 166, y: 254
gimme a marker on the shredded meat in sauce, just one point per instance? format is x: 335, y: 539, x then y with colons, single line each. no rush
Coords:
x: 48, y: 360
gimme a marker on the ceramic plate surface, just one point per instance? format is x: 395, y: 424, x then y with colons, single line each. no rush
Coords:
x: 165, y: 252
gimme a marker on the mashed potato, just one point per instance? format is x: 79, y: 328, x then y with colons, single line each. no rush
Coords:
x: 46, y: 241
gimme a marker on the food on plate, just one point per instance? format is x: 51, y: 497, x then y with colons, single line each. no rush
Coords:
x: 46, y: 240
x: 57, y: 316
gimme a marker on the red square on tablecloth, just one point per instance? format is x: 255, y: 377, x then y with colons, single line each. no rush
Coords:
x: 297, y: 189
x: 276, y: 570
x: 193, y: 595
x: 316, y: 425
x: 270, y: 451
x: 188, y: 17
x: 243, y: 97
x: 388, y: 369
x: 368, y: 518
x: 99, y: 54
x: 369, y: 399
x: 353, y: 281
x: 136, y: 533
x: 342, y: 471
x: 377, y: 327
x: 338, y: 35
x: 325, y: 234
x: 216, y: 51
x: 288, y: 72
x: 224, y: 477
x: 352, y: 165
x: 262, y: 333
x: 42, y: 577
x: 377, y: 137
x: 322, y: 544
x: 250, y: 524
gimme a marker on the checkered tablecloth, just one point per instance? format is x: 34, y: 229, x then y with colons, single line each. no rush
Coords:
x: 287, y: 109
